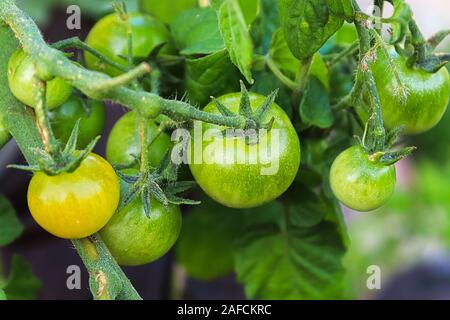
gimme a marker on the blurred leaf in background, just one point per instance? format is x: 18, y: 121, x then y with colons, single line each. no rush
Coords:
x: 10, y: 226
x: 278, y: 258
x: 204, y: 248
x: 21, y: 284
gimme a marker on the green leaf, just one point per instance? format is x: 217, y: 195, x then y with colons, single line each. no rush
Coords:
x: 2, y: 295
x: 250, y: 8
x: 266, y: 82
x: 315, y: 108
x: 10, y: 226
x: 197, y: 32
x: 212, y: 75
x: 275, y: 260
x: 400, y: 19
x: 305, y: 208
x: 236, y: 37
x: 22, y: 283
x: 204, y: 248
x: 265, y: 25
x: 308, y: 24
x: 288, y: 64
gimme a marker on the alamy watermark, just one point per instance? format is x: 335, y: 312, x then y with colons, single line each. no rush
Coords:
x: 228, y: 146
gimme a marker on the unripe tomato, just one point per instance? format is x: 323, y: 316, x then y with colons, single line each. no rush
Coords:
x: 64, y: 118
x: 78, y: 204
x: 360, y: 183
x: 21, y: 71
x: 124, y: 141
x: 110, y: 37
x: 167, y: 11
x: 428, y: 94
x: 135, y: 239
x: 240, y: 175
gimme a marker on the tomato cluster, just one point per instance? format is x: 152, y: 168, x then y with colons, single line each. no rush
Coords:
x: 231, y: 170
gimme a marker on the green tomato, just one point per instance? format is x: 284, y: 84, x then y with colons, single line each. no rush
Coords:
x: 124, y: 141
x: 167, y: 11
x: 135, y: 239
x: 21, y: 71
x: 428, y: 94
x: 110, y: 37
x: 360, y: 183
x: 64, y: 118
x: 234, y: 173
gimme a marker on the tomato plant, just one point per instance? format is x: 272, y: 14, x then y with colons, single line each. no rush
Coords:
x: 21, y: 71
x: 77, y: 204
x: 243, y: 183
x: 90, y: 113
x: 109, y: 36
x: 272, y: 163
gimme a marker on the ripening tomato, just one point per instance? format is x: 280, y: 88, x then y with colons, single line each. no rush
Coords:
x: 360, y: 183
x: 241, y: 175
x: 427, y: 94
x: 110, y: 37
x: 77, y: 204
x: 21, y: 71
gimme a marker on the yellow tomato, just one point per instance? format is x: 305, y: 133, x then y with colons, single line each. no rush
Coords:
x: 78, y: 204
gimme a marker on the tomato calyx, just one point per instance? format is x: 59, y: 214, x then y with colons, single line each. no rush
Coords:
x: 254, y: 120
x: 385, y: 154
x: 65, y: 161
x: 160, y: 184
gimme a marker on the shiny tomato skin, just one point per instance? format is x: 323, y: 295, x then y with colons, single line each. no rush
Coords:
x: 78, y: 204
x: 359, y: 183
x: 242, y: 184
x: 109, y: 36
x: 64, y: 118
x: 428, y: 94
x: 21, y: 71
x: 124, y: 141
x: 134, y: 239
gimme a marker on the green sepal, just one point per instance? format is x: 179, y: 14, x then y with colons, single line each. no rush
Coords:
x: 244, y: 107
x: 389, y: 158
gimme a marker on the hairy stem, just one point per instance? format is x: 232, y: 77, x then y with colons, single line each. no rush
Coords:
x: 75, y: 42
x: 57, y: 64
x: 43, y: 123
x: 365, y: 73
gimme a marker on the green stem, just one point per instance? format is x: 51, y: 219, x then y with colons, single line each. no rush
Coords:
x: 365, y: 73
x: 277, y: 73
x: 48, y: 138
x: 351, y: 49
x: 75, y: 42
x: 107, y: 280
x: 125, y: 78
x: 57, y: 64
x: 379, y: 4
